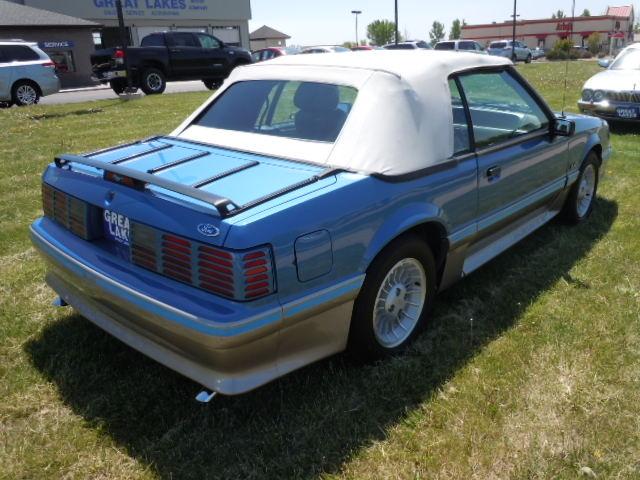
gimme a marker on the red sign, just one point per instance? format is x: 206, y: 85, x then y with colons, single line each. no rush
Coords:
x: 564, y: 26
x: 618, y: 35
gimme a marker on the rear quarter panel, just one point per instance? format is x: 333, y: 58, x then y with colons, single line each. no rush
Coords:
x: 362, y: 215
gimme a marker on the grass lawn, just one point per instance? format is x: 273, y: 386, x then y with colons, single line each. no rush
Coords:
x: 530, y: 368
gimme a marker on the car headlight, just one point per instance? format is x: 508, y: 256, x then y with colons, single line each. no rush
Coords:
x: 587, y: 95
x: 598, y: 96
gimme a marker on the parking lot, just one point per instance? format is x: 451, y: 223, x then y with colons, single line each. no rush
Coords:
x: 528, y: 369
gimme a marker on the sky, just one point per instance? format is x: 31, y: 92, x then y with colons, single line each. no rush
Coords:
x: 331, y: 22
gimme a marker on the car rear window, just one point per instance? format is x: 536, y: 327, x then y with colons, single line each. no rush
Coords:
x: 292, y: 109
x: 19, y: 53
x: 498, y: 45
x: 400, y: 46
x: 445, y: 46
x: 466, y: 45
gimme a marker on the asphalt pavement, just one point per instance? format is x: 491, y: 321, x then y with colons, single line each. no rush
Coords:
x: 105, y: 93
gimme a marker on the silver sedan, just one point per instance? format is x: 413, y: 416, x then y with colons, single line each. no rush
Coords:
x: 615, y: 93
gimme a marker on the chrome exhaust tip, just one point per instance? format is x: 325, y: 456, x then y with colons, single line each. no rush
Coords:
x: 205, y: 396
x: 59, y: 302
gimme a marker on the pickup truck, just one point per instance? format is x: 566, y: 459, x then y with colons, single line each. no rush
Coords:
x: 287, y: 219
x: 168, y: 56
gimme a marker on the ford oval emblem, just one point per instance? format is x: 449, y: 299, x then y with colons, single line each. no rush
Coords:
x: 208, y: 230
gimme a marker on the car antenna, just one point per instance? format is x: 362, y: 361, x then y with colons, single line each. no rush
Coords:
x: 566, y: 63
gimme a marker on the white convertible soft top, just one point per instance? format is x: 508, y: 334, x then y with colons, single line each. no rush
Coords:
x: 401, y: 121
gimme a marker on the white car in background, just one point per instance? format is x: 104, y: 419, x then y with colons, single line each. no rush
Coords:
x: 26, y: 73
x: 461, y: 46
x: 325, y: 49
x: 615, y: 93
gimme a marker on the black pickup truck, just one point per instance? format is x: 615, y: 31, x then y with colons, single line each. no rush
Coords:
x: 167, y: 56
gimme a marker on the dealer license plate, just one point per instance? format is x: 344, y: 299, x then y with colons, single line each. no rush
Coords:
x: 627, y: 112
x: 117, y: 229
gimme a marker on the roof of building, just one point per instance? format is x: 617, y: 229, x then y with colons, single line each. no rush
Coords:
x: 265, y: 32
x: 623, y: 11
x: 16, y: 15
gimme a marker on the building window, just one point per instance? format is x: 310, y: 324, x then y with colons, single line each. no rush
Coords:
x: 541, y: 42
x: 63, y: 60
x: 97, y: 39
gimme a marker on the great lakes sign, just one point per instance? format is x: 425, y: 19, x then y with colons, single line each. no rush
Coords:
x: 150, y: 9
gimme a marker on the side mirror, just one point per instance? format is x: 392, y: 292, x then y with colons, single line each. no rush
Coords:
x: 564, y: 127
x: 604, y: 62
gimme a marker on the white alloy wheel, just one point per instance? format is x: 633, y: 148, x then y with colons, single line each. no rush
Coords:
x: 399, y: 302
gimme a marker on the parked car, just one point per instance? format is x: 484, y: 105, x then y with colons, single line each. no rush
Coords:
x: 272, y: 52
x: 614, y: 93
x: 325, y: 49
x: 26, y: 73
x: 461, y: 46
x: 364, y: 48
x: 169, y: 56
x: 286, y: 219
x: 408, y: 45
x: 505, y: 48
x: 538, y: 53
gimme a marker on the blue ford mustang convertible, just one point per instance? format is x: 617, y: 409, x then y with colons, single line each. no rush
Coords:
x: 314, y: 203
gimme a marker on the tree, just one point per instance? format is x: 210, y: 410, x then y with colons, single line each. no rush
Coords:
x: 437, y: 32
x: 593, y: 43
x: 559, y: 14
x: 456, y: 29
x: 381, y: 32
x: 586, y: 13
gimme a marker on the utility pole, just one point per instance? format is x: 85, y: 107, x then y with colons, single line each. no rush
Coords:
x: 513, y: 44
x: 396, y: 16
x: 356, y: 13
x: 124, y: 39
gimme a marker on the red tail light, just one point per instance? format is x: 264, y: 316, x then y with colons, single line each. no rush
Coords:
x: 49, y: 64
x: 118, y: 54
x: 245, y: 275
x: 238, y: 275
x: 70, y: 212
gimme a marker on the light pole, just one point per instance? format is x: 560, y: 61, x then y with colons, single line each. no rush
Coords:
x: 396, y: 18
x: 513, y: 43
x: 356, y: 13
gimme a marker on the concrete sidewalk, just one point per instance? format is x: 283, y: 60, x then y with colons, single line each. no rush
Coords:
x: 104, y: 92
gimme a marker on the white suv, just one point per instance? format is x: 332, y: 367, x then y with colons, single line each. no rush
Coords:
x: 26, y: 73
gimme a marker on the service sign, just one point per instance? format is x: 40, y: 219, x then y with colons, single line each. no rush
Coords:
x: 56, y: 44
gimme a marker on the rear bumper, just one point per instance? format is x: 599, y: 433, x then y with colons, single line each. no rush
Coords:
x: 108, y: 75
x: 226, y: 357
x: 49, y: 85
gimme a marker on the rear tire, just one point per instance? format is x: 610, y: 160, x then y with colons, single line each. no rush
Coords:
x: 25, y: 93
x: 6, y: 104
x: 528, y: 60
x: 118, y: 86
x: 579, y: 203
x: 153, y: 81
x: 212, y: 84
x: 395, y: 300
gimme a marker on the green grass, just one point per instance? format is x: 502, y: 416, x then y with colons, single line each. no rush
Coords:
x: 530, y: 367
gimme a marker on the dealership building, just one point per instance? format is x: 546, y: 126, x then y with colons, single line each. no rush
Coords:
x: 94, y: 24
x: 615, y: 28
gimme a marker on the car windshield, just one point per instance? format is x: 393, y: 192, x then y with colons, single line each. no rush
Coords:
x: 498, y: 45
x: 293, y: 109
x: 629, y: 60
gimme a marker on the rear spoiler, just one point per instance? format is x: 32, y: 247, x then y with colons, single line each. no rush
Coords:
x: 139, y: 179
